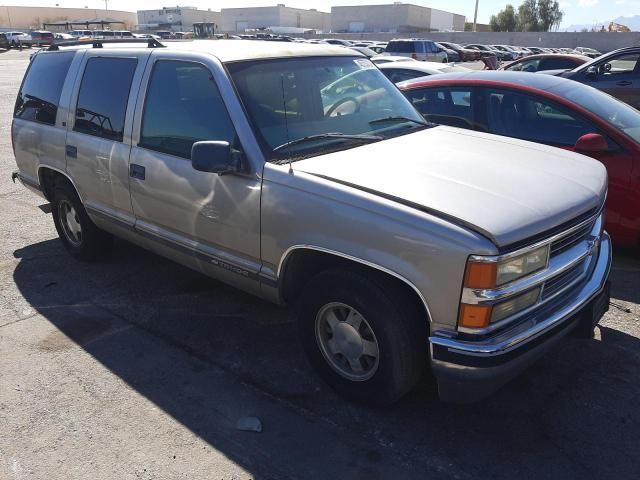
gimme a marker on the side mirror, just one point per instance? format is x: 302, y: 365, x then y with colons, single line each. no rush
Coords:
x: 215, y: 157
x: 592, y: 143
x: 592, y: 72
x: 605, y: 68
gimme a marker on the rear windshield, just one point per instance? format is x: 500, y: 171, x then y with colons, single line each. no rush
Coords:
x: 406, y: 47
x: 40, y: 93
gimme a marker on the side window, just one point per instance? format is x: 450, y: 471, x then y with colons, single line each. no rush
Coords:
x: 103, y: 97
x: 39, y: 96
x: 397, y: 75
x: 445, y: 106
x: 525, y: 66
x: 622, y: 64
x: 183, y: 106
x: 557, y: 64
x: 533, y: 118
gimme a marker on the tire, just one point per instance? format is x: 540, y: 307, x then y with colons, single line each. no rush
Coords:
x: 386, y: 317
x: 79, y: 235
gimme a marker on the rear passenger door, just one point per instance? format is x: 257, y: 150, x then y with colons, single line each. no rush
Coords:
x: 206, y: 220
x: 99, y: 137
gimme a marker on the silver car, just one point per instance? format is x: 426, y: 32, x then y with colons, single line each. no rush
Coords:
x: 301, y: 174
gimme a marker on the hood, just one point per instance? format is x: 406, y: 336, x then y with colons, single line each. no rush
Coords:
x: 508, y: 190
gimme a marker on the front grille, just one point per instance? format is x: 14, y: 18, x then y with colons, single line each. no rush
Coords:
x: 571, y: 240
x: 560, y: 282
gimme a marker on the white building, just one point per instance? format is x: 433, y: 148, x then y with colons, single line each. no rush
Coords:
x: 394, y: 18
x: 176, y: 19
x: 238, y: 20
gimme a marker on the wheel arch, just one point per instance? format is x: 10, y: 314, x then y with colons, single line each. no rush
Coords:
x: 47, y: 176
x: 299, y: 263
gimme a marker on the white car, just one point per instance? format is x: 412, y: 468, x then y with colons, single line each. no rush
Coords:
x: 381, y: 59
x: 401, y: 71
x: 63, y: 36
x: 17, y: 38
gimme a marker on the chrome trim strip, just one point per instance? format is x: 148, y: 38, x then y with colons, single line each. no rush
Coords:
x: 289, y: 250
x: 542, y: 243
x: 508, y: 342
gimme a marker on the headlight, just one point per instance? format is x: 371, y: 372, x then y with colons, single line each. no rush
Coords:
x: 521, y: 266
x: 491, y: 273
x: 488, y: 274
x: 515, y: 305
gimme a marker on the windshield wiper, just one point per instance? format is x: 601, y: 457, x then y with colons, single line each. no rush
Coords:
x: 398, y: 119
x: 339, y: 136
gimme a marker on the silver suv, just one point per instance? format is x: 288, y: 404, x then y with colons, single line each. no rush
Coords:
x: 299, y: 173
x: 418, y: 49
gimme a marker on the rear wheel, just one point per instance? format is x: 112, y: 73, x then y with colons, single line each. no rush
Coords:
x: 363, y: 335
x: 78, y: 233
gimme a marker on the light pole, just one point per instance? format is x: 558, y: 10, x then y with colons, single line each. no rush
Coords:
x: 475, y: 18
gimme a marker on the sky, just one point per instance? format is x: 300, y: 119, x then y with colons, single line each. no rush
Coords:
x: 576, y: 11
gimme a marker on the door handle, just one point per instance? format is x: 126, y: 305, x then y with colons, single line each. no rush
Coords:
x: 624, y: 83
x: 137, y: 171
x: 72, y: 152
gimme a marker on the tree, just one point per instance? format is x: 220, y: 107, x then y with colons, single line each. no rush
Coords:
x: 528, y: 20
x: 532, y: 16
x: 549, y: 15
x: 505, y: 21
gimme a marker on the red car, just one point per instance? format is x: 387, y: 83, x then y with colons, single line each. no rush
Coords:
x: 546, y: 61
x: 548, y: 110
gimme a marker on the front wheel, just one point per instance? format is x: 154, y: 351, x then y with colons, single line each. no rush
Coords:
x: 363, y: 335
x: 79, y: 235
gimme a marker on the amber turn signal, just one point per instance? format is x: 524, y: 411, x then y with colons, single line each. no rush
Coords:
x: 481, y: 275
x: 474, y: 316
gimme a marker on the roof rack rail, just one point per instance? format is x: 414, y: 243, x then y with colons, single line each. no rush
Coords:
x: 151, y: 43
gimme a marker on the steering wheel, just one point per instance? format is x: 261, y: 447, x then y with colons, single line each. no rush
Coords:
x: 340, y: 103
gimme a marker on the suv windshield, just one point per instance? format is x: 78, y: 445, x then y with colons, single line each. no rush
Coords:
x: 295, y: 103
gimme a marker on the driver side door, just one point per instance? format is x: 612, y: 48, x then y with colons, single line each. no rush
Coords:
x: 620, y: 77
x: 207, y: 221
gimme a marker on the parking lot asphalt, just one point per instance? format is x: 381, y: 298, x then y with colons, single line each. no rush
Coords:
x: 137, y: 368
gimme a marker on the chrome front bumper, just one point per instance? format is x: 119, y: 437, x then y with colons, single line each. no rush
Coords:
x: 470, y: 370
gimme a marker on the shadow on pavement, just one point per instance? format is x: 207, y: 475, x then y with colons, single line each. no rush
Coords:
x: 625, y: 275
x: 572, y: 415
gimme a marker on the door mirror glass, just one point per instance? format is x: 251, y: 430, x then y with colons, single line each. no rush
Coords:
x: 214, y: 157
x: 592, y: 143
x: 592, y: 72
x: 604, y: 68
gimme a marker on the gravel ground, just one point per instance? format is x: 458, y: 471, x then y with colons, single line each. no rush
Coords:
x: 137, y: 368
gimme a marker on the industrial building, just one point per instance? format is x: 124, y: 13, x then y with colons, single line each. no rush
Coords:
x: 175, y: 19
x: 394, y: 18
x: 239, y: 20
x: 26, y: 18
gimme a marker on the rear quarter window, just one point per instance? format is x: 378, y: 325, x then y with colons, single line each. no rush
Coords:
x: 39, y: 95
